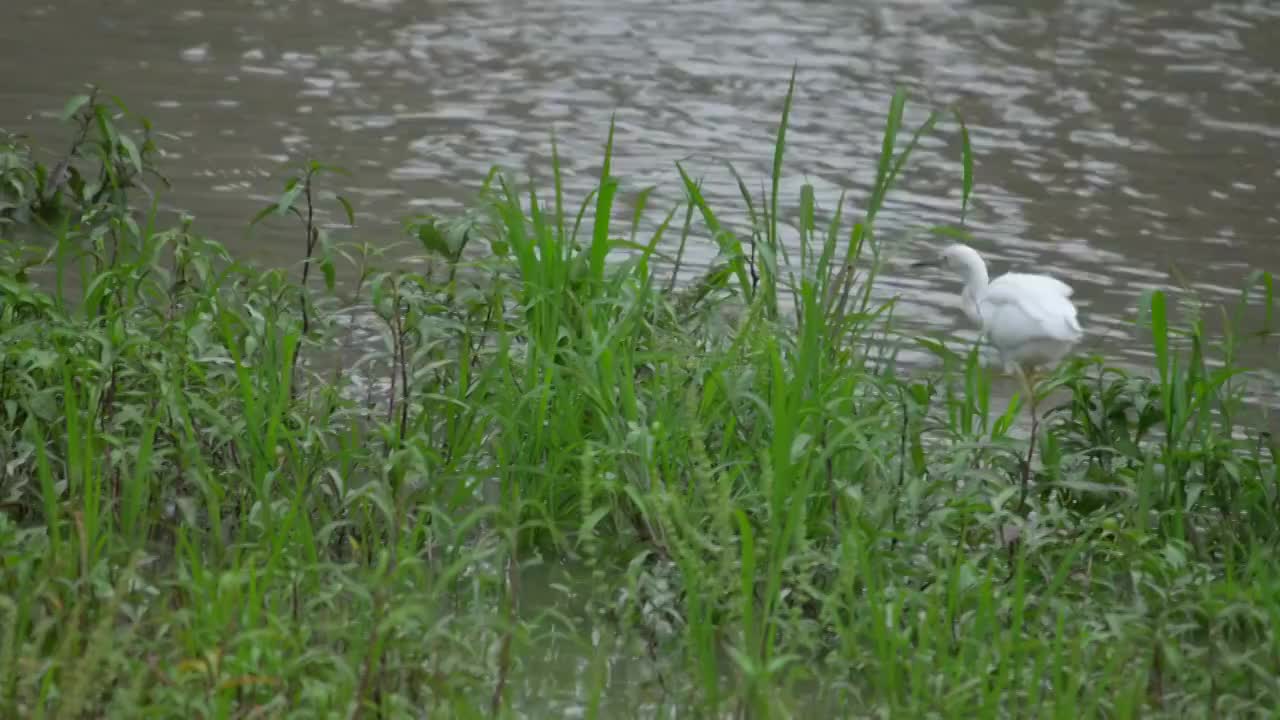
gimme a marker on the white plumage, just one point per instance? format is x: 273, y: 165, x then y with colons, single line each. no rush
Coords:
x: 1028, y: 318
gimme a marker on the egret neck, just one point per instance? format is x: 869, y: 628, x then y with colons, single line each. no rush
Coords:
x: 974, y: 272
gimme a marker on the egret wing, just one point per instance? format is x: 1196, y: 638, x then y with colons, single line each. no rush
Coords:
x: 1035, y: 283
x: 1018, y: 307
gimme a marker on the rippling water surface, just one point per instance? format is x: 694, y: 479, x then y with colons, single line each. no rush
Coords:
x: 1128, y: 146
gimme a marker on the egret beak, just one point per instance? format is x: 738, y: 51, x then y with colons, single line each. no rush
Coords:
x: 927, y: 263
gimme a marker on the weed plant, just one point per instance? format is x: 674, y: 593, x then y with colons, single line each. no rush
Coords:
x: 551, y: 479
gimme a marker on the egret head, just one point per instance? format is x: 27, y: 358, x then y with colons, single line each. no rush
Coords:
x: 960, y: 259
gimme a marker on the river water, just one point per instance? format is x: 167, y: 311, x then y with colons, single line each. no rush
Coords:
x: 1126, y: 146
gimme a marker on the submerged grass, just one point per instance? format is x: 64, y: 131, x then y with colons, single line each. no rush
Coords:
x: 555, y: 481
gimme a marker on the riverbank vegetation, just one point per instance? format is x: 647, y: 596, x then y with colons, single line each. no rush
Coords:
x: 535, y: 476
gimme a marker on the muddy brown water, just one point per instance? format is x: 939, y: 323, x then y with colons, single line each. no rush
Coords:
x: 1125, y: 146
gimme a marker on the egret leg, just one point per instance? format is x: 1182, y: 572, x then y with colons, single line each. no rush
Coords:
x: 1029, y: 388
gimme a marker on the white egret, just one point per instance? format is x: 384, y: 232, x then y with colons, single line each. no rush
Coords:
x: 1028, y: 318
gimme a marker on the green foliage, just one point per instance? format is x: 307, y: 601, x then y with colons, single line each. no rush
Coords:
x: 94, y: 174
x: 553, y: 477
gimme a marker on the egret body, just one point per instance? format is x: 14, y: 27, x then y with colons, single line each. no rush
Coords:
x: 1028, y: 318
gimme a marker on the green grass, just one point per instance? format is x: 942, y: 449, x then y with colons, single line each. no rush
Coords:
x: 541, y: 476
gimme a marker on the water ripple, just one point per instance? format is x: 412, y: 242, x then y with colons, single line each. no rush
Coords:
x: 1127, y: 147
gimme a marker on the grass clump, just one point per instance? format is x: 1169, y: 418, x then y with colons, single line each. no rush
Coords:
x: 540, y: 477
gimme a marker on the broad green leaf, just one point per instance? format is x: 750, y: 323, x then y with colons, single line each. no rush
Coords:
x: 132, y: 150
x: 346, y: 206
x: 289, y: 196
x: 326, y: 267
x: 73, y: 106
